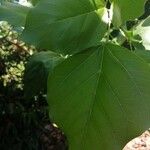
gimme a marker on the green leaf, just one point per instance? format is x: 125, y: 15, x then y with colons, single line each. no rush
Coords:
x: 143, y: 54
x: 100, y: 98
x: 137, y: 42
x: 65, y: 26
x: 15, y: 14
x: 124, y: 10
x: 37, y: 70
x: 146, y: 22
x: 138, y: 46
x: 34, y: 2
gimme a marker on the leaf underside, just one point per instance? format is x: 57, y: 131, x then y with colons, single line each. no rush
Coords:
x: 125, y: 10
x: 101, y: 98
x: 15, y: 14
x: 65, y: 26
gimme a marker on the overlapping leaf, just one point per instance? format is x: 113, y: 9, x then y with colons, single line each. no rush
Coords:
x: 124, y: 10
x: 15, y: 14
x: 66, y: 25
x: 100, y: 98
x: 146, y: 22
x: 37, y: 70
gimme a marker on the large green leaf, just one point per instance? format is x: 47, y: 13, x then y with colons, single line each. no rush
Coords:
x: 66, y: 26
x: 15, y: 14
x: 101, y: 98
x: 124, y: 10
x: 37, y: 70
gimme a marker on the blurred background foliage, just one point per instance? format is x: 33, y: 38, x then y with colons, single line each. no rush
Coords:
x: 17, y: 116
x: 24, y: 123
x: 14, y: 55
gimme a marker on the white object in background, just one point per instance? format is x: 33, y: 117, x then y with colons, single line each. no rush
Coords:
x: 25, y: 3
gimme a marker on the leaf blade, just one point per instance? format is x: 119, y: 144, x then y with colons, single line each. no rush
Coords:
x: 92, y: 105
x: 71, y: 25
x: 123, y: 10
x: 36, y: 72
x: 15, y: 14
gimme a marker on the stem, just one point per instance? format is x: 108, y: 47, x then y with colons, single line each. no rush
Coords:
x: 108, y: 25
x: 128, y: 38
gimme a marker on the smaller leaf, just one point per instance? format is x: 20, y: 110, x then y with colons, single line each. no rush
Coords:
x: 71, y: 25
x: 124, y: 10
x: 15, y: 14
x: 146, y: 22
x: 34, y: 2
x: 143, y: 32
x: 116, y: 15
x: 37, y: 70
x: 138, y: 46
